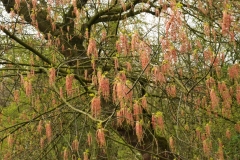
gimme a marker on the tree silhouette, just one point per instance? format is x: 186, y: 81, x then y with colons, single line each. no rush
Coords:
x: 120, y: 79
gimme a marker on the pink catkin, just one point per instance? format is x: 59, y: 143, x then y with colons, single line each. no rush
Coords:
x: 120, y: 91
x: 173, y: 54
x: 153, y: 121
x: 171, y: 143
x: 208, y: 130
x: 144, y: 54
x: 10, y: 141
x: 165, y: 43
x: 202, y: 8
x: 123, y: 5
x: 48, y: 131
x: 85, y: 156
x: 168, y: 24
x: 165, y: 68
x: 42, y: 140
x: 159, y: 120
x: 128, y: 66
x: 116, y: 64
x: 206, y: 147
x: 129, y: 117
x: 87, y: 34
x: 226, y: 22
x: 228, y: 134
x: 118, y: 46
x: 104, y: 88
x: 210, y: 82
x: 40, y: 127
x: 137, y: 111
x: 61, y: 92
x: 93, y: 64
x: 206, y: 29
x: 101, y: 137
x: 139, y: 131
x: 214, y: 99
x: 144, y: 59
x: 69, y: 82
x: 92, y: 49
x: 89, y: 139
x: 94, y: 80
x: 214, y: 34
x: 161, y: 78
x: 144, y: 103
x: 198, y: 133
x: 135, y: 41
x: 120, y: 118
x: 233, y: 71
x: 124, y: 44
x: 99, y: 76
x: 74, y: 3
x: 171, y: 90
x: 63, y: 47
x: 222, y: 87
x: 21, y: 79
x: 52, y: 75
x: 220, y: 150
x: 85, y: 74
x: 155, y: 71
x: 53, y: 25
x: 114, y: 93
x: 198, y: 44
x: 65, y: 154
x: 75, y: 145
x: 96, y: 106
x: 122, y: 76
x: 17, y: 2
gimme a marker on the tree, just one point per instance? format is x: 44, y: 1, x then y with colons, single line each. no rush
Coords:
x: 96, y: 80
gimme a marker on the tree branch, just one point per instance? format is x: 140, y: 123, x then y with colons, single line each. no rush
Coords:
x: 45, y: 59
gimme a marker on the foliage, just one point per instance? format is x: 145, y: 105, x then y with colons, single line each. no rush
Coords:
x: 120, y: 79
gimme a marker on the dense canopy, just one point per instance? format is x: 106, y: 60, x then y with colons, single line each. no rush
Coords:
x: 120, y: 79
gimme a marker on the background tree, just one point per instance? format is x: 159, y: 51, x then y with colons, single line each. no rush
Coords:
x: 120, y: 79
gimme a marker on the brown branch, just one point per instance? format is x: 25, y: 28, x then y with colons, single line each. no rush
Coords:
x: 45, y: 59
x: 18, y: 40
x: 115, y: 12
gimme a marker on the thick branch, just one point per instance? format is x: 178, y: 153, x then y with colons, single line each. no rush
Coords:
x: 114, y: 11
x: 45, y: 59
